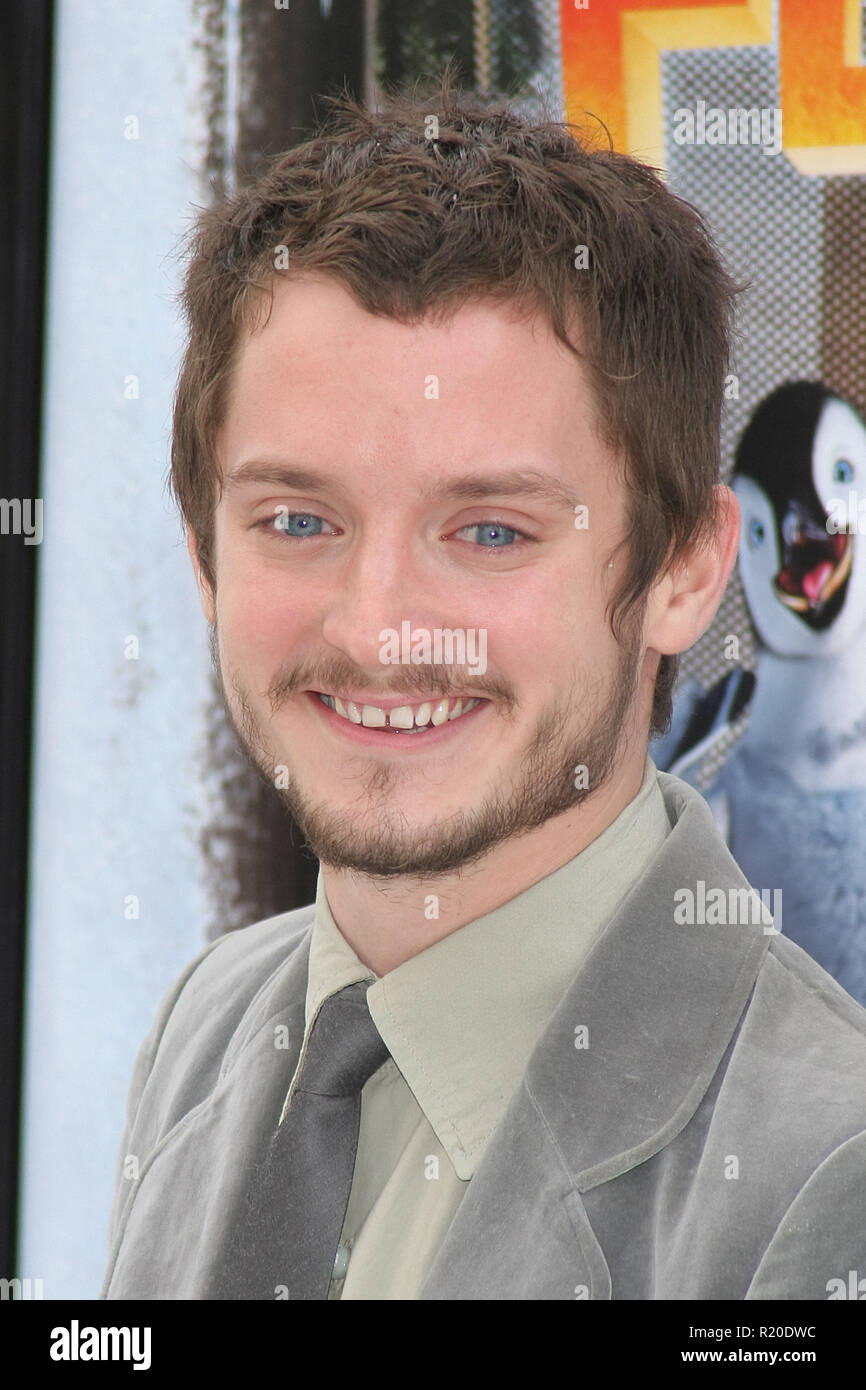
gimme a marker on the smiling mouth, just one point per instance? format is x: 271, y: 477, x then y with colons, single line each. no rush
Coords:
x: 402, y: 719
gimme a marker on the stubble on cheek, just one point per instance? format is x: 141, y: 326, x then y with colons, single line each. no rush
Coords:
x: 370, y: 833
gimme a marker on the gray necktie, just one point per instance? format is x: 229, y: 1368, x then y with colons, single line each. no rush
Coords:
x: 288, y: 1231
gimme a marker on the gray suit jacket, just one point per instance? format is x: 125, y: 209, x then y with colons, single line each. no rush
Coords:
x: 708, y: 1142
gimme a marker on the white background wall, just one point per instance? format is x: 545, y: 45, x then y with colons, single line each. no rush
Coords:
x: 117, y: 807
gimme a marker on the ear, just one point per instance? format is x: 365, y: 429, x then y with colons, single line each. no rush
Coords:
x: 684, y: 600
x: 205, y: 592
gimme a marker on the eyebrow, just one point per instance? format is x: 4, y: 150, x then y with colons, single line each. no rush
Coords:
x: 532, y: 482
x: 278, y: 474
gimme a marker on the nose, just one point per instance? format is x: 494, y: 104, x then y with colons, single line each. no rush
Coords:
x: 384, y: 583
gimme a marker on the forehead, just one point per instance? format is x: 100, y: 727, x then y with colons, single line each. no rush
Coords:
x: 320, y: 374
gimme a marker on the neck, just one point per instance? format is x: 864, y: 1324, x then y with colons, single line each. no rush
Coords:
x: 387, y: 921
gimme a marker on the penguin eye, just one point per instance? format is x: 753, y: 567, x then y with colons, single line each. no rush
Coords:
x: 756, y: 534
x: 842, y: 471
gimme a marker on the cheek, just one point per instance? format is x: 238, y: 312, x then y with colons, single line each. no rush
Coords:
x: 549, y: 633
x: 570, y: 605
x: 260, y: 621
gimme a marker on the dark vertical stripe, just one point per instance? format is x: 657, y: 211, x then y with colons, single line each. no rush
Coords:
x: 843, y: 327
x: 25, y: 97
x: 289, y: 58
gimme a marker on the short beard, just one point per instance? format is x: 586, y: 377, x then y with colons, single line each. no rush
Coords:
x: 549, y: 784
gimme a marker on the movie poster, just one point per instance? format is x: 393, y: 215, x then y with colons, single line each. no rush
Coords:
x: 758, y: 114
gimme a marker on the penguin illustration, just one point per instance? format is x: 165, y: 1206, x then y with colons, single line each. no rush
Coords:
x: 795, y: 784
x: 700, y: 722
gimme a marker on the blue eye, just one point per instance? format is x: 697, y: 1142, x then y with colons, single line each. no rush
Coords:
x: 843, y: 471
x: 492, y: 535
x: 756, y: 534
x: 298, y: 523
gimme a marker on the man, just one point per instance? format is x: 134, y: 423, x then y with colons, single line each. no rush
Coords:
x: 447, y: 446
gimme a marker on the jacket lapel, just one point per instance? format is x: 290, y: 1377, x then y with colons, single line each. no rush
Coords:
x: 619, y: 1072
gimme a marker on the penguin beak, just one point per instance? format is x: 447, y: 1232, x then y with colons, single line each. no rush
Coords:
x: 815, y: 562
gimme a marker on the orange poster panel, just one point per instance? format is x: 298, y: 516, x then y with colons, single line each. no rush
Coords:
x: 823, y: 84
x: 612, y: 69
x: 611, y: 57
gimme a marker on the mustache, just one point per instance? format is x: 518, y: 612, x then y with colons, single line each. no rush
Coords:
x: 411, y: 681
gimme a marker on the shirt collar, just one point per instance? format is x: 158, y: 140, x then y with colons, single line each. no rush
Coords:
x: 462, y: 1018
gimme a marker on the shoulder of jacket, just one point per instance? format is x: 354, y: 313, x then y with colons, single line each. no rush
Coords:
x: 799, y: 1061
x: 237, y: 964
x: 837, y: 1018
x: 209, y: 1008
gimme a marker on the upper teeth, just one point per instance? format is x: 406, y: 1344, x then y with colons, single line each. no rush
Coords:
x: 403, y: 716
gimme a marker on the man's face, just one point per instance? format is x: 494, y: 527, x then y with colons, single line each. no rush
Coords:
x: 411, y: 480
